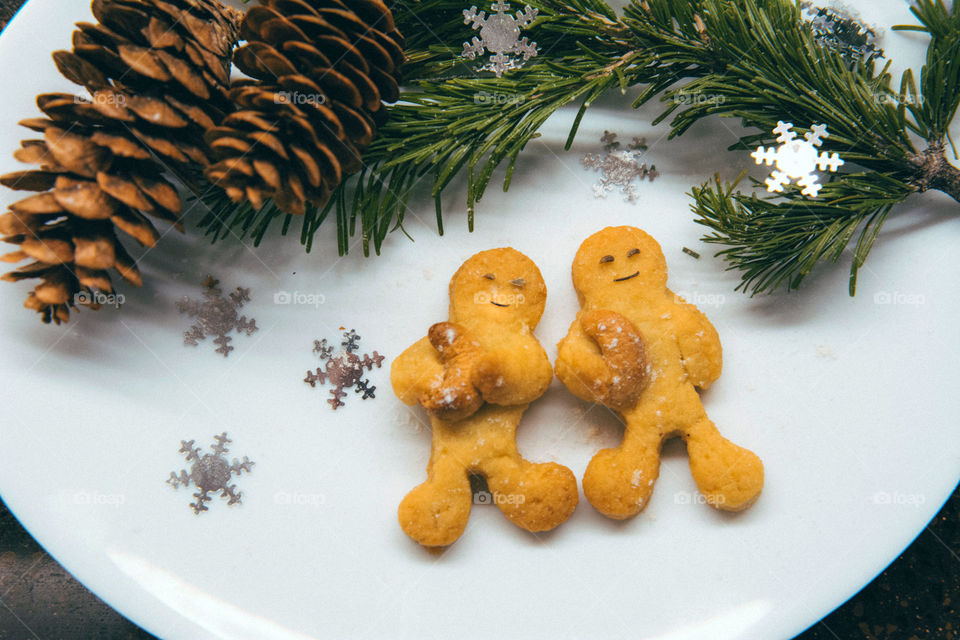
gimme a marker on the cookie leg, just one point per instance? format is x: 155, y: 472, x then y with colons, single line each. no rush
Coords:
x: 535, y: 497
x: 435, y: 513
x: 618, y: 482
x: 730, y: 477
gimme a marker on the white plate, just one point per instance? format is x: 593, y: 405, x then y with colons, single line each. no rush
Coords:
x: 851, y: 403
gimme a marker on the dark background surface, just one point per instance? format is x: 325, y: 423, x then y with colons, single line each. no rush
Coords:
x: 915, y: 598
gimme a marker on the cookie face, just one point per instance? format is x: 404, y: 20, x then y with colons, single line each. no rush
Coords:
x: 498, y: 286
x: 619, y: 262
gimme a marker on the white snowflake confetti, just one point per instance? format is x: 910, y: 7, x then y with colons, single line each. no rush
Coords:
x: 500, y: 35
x: 216, y: 316
x: 619, y: 167
x: 797, y: 159
x: 210, y: 472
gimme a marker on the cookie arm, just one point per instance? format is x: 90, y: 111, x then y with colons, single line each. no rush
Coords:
x: 603, y: 359
x: 580, y: 363
x: 454, y: 396
x: 514, y: 374
x: 699, y: 344
x: 413, y: 371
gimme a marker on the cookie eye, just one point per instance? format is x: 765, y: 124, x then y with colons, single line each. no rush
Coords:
x: 489, y: 276
x: 632, y: 252
x: 518, y: 282
x: 606, y: 258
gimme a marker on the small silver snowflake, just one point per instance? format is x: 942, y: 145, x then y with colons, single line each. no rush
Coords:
x: 216, y: 316
x: 500, y: 35
x: 345, y: 370
x: 210, y: 473
x: 619, y: 167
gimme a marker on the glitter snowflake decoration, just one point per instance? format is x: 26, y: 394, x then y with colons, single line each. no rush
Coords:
x: 619, y: 167
x: 344, y: 371
x: 797, y: 159
x: 500, y: 35
x: 837, y: 30
x: 210, y: 472
x: 216, y: 316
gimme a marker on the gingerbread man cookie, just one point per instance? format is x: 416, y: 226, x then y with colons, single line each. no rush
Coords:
x: 475, y: 375
x: 643, y: 351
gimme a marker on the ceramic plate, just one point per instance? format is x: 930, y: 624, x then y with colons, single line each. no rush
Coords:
x: 851, y: 403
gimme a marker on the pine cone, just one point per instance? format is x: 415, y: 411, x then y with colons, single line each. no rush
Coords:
x: 322, y: 70
x: 157, y: 72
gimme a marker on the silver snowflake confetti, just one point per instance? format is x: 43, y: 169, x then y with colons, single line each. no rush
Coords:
x: 797, y: 159
x: 351, y: 341
x: 344, y: 371
x: 500, y: 35
x: 216, y: 316
x: 837, y: 30
x: 619, y: 167
x: 322, y: 349
x: 210, y: 472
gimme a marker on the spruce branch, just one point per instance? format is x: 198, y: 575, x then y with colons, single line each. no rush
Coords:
x: 755, y: 60
x: 759, y: 62
x: 453, y: 121
x: 940, y: 75
x: 778, y: 242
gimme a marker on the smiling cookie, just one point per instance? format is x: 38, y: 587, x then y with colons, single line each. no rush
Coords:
x: 643, y: 351
x: 475, y: 375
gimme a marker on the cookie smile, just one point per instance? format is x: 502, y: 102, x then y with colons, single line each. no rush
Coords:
x: 498, y: 304
x: 632, y: 275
